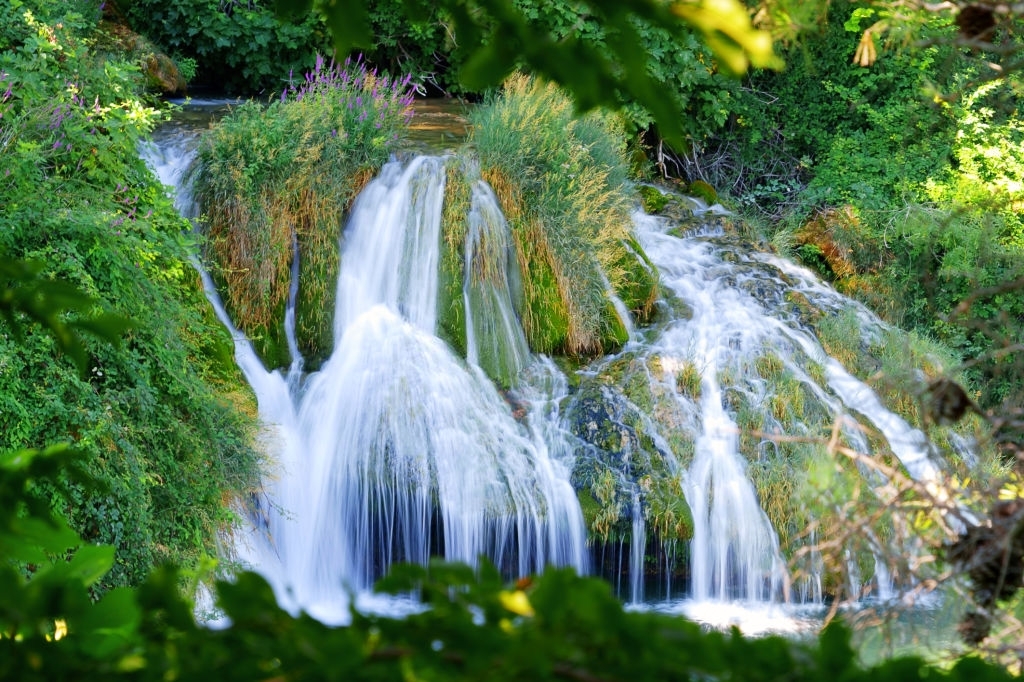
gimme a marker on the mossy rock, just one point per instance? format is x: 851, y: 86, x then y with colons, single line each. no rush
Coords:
x: 653, y: 199
x: 623, y: 461
x: 703, y: 191
x: 639, y: 289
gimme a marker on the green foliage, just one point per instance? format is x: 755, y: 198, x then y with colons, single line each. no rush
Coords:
x: 611, y: 48
x: 238, y: 46
x: 963, y: 288
x: 681, y: 68
x: 48, y: 302
x: 561, y: 181
x: 90, y: 239
x: 471, y: 626
x: 826, y: 131
x: 271, y: 177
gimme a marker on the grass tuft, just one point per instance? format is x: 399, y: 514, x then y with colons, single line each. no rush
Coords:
x: 562, y: 183
x: 270, y: 177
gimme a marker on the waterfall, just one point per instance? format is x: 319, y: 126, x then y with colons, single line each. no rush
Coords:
x: 400, y: 449
x: 734, y: 551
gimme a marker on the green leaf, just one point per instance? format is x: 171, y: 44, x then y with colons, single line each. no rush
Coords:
x: 249, y: 600
x: 89, y: 564
x: 487, y: 67
x: 348, y: 22
x: 33, y: 540
x: 109, y: 624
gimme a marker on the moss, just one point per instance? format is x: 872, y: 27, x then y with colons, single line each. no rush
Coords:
x: 804, y: 310
x: 638, y: 288
x: 545, y: 315
x: 614, y: 333
x: 816, y: 371
x: 607, y: 518
x: 318, y: 223
x: 787, y: 400
x: 652, y: 199
x: 451, y: 318
x: 839, y: 335
x: 688, y: 381
x: 271, y: 345
x: 704, y: 191
x: 769, y: 365
x: 666, y: 511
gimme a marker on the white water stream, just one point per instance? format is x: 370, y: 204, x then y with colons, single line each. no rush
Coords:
x: 396, y: 449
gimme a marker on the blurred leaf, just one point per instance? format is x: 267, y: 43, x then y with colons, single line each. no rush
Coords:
x: 33, y: 540
x: 349, y: 24
x: 726, y: 29
x: 291, y: 10
x: 89, y: 564
x: 486, y: 67
x: 109, y: 624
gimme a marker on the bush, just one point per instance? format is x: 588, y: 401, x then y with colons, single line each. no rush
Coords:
x: 162, y: 421
x: 239, y: 46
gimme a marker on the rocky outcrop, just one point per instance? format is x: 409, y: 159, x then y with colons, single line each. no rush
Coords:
x: 162, y: 74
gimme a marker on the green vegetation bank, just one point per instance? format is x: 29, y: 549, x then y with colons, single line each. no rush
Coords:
x: 164, y: 420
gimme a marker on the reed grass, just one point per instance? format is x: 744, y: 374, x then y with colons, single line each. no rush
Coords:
x: 840, y: 336
x: 562, y: 182
x: 270, y: 177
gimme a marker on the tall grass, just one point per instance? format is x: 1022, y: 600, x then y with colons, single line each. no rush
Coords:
x: 562, y: 182
x: 271, y: 176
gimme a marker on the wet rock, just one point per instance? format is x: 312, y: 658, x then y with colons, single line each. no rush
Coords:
x: 162, y: 74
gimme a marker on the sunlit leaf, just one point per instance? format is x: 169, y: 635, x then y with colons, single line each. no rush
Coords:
x: 726, y: 28
x: 517, y: 602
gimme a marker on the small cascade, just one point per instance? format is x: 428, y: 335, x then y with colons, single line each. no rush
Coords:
x: 297, y: 363
x: 637, y: 551
x: 494, y: 336
x: 621, y: 311
x: 734, y: 551
x: 884, y: 590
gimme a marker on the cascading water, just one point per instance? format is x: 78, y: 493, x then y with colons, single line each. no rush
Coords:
x: 405, y: 450
x: 397, y: 449
x: 734, y: 550
x: 494, y: 337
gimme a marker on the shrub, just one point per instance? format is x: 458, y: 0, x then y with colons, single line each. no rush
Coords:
x: 162, y: 421
x: 238, y: 46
